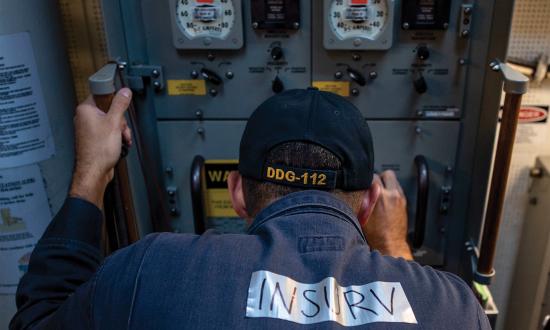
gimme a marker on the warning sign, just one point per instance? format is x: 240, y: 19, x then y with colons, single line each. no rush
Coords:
x: 219, y: 210
x: 186, y: 87
x: 337, y: 87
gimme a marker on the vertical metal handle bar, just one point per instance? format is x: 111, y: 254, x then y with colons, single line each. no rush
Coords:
x: 422, y: 197
x: 197, y: 198
x: 515, y: 85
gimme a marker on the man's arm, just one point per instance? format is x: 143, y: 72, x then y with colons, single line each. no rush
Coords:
x: 68, y: 254
x: 386, y: 228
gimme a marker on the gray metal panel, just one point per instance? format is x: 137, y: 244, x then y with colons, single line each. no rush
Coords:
x: 396, y: 145
x: 253, y: 68
x: 533, y: 262
x: 391, y: 94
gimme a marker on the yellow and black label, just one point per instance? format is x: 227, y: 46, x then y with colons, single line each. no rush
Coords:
x: 301, y: 177
x: 186, y: 87
x: 337, y: 87
x: 217, y: 200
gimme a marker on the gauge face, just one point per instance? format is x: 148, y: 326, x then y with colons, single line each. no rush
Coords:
x: 205, y: 18
x: 358, y: 18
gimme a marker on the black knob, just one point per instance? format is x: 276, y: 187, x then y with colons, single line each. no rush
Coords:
x: 423, y: 53
x: 277, y: 53
x: 211, y: 76
x: 357, y: 77
x: 277, y: 86
x: 420, y: 84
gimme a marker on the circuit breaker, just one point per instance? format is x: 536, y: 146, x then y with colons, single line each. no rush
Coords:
x: 415, y: 69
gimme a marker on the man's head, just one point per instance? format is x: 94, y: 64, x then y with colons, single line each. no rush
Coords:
x: 304, y: 139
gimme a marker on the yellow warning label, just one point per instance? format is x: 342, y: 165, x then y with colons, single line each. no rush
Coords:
x: 337, y: 87
x: 216, y: 195
x: 186, y: 87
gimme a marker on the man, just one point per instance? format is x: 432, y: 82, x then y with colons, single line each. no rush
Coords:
x: 306, y: 185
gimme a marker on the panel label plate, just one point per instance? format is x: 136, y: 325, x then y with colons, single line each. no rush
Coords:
x: 337, y: 87
x: 186, y: 87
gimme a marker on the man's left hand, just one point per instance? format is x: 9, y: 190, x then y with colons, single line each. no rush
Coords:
x: 99, y: 137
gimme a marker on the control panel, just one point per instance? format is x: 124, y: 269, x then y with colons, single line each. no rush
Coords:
x: 406, y: 64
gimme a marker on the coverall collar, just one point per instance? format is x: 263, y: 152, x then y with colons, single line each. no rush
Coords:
x: 312, y: 199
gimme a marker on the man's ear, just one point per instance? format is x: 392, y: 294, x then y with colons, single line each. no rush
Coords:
x: 235, y: 186
x: 369, y: 202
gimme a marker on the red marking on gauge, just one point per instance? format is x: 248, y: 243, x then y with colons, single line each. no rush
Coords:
x: 205, y: 1
x: 359, y: 2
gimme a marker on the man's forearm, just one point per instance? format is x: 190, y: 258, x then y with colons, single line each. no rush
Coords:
x: 67, y: 255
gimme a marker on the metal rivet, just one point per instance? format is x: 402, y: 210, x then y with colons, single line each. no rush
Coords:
x: 355, y: 92
x: 406, y: 25
x: 213, y: 92
x: 338, y: 75
x: 373, y: 75
x: 229, y: 75
x: 155, y: 73
x: 198, y: 113
x: 194, y: 74
x: 255, y: 25
x: 156, y: 84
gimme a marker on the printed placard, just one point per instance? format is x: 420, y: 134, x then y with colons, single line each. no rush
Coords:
x: 337, y: 87
x: 25, y: 134
x: 281, y: 297
x: 186, y: 87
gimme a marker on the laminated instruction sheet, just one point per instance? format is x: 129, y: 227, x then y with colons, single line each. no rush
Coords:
x: 24, y: 215
x: 25, y: 134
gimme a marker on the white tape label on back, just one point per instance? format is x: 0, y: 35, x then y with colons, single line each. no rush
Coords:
x: 276, y: 296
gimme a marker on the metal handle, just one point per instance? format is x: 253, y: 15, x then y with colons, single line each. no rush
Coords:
x: 423, y: 189
x: 197, y: 198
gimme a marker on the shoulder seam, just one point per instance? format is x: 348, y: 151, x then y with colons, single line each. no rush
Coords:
x: 134, y: 291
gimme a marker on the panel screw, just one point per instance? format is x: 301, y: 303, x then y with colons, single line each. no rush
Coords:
x: 194, y: 74
x: 171, y: 193
x: 169, y: 170
x: 467, y: 10
x: 355, y: 92
x: 406, y: 26
x: 155, y: 73
x: 211, y: 57
x: 445, y: 25
x: 357, y: 42
x: 174, y: 211
x: 373, y: 75
x: 462, y: 61
x: 465, y: 33
x: 156, y: 84
x: 229, y: 75
x: 213, y: 92
x: 418, y: 130
x: 420, y: 113
x: 338, y: 75
x: 255, y: 25
x: 356, y: 57
x: 200, y: 130
x: 198, y: 114
x: 296, y: 25
x: 449, y: 169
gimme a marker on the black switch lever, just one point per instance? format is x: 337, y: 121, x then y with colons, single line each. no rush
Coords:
x: 357, y: 77
x: 211, y: 76
x: 419, y: 83
x: 277, y: 86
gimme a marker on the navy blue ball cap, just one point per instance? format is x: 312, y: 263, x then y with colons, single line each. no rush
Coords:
x: 311, y: 116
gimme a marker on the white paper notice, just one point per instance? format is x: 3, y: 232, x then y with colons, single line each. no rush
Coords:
x: 24, y: 215
x: 25, y: 135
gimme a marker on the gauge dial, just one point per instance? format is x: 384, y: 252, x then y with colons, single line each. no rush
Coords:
x: 358, y: 18
x: 205, y: 18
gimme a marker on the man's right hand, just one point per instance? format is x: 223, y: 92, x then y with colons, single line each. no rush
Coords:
x: 99, y: 137
x: 386, y: 229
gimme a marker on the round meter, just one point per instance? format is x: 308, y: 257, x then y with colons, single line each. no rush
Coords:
x: 358, y: 18
x: 205, y: 18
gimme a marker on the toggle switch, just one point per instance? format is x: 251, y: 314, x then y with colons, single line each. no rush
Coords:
x: 419, y: 82
x: 357, y: 77
x: 211, y: 76
x: 277, y: 85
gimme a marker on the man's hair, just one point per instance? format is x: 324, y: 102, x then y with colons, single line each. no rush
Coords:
x: 259, y: 194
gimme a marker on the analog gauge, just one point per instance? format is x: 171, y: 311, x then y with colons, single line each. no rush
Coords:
x: 205, y: 18
x: 358, y: 18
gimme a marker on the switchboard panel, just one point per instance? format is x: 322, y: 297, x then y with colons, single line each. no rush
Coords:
x: 200, y: 67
